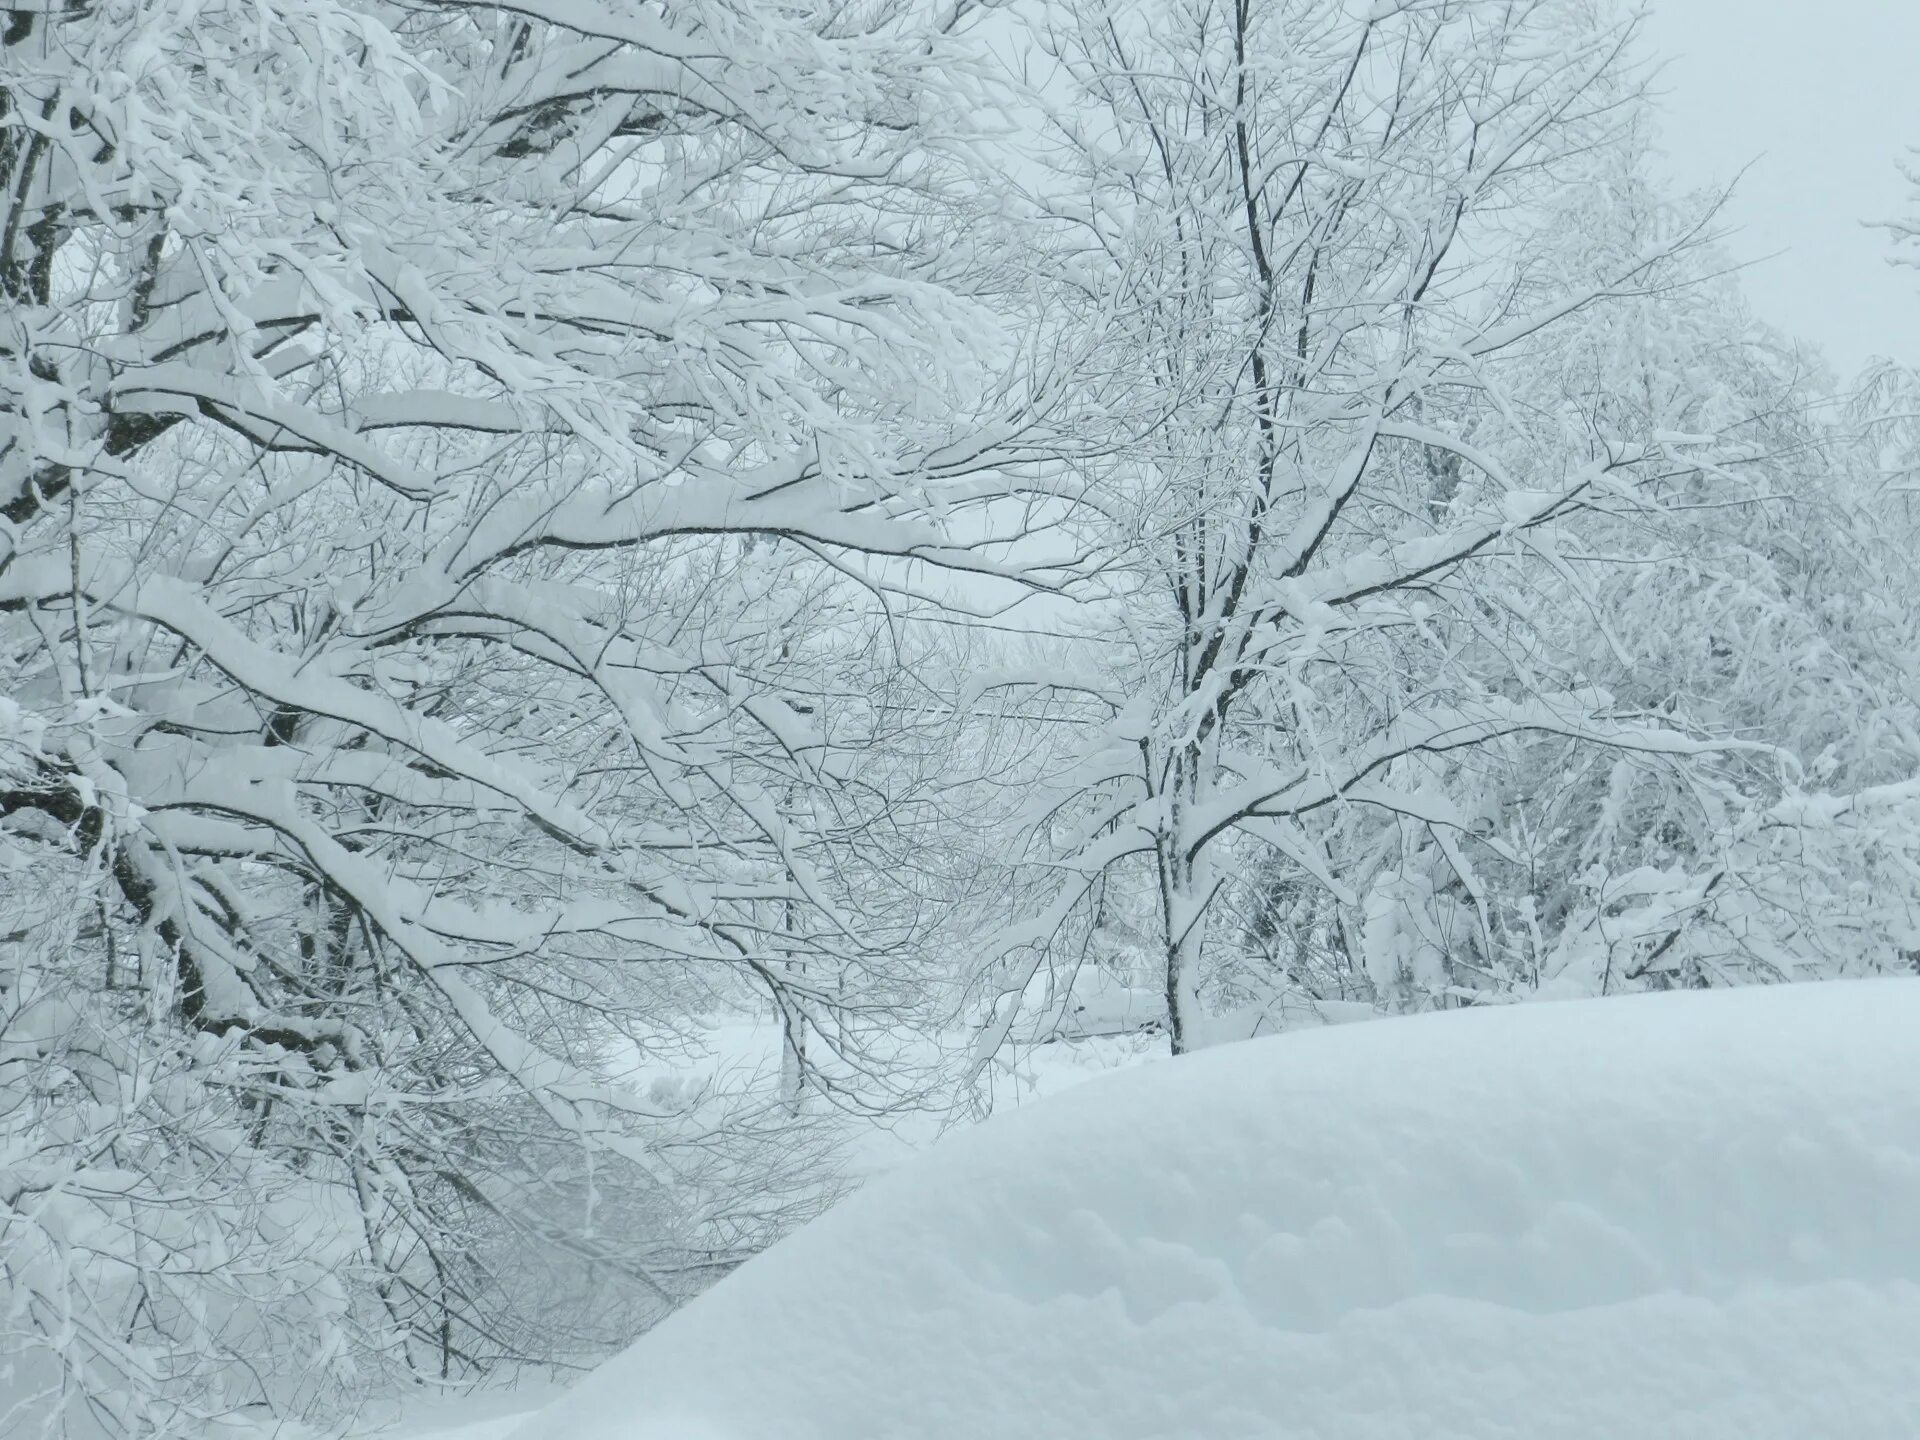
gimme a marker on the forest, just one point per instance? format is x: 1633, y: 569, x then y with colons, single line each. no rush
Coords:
x: 607, y: 606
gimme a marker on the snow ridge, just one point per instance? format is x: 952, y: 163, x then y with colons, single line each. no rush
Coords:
x: 1683, y: 1215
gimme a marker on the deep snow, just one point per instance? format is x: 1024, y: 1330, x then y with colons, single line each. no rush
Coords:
x: 1673, y: 1216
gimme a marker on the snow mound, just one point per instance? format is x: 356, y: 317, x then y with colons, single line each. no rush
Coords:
x: 1691, y: 1215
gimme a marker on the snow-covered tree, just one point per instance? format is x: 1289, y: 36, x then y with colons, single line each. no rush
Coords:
x: 1313, y: 232
x: 395, y: 752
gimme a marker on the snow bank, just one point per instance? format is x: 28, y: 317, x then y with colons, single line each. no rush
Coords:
x: 1673, y: 1216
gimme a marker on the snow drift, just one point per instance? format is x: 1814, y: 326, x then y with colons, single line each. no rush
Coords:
x: 1688, y: 1215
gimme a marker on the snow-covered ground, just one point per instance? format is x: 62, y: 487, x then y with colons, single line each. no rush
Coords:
x: 492, y: 1416
x: 1671, y: 1216
x: 1024, y: 1074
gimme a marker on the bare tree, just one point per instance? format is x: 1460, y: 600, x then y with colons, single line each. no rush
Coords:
x: 1323, y: 225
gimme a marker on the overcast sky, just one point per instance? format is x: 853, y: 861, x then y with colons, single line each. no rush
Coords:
x: 1823, y: 96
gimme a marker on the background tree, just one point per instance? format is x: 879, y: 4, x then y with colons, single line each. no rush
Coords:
x: 1321, y: 226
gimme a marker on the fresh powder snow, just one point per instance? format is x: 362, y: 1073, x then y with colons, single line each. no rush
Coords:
x: 1681, y: 1215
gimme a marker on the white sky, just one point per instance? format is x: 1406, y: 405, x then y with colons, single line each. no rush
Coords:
x: 1823, y: 96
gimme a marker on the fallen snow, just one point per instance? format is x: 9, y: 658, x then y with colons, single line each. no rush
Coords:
x: 494, y: 1427
x: 1667, y: 1216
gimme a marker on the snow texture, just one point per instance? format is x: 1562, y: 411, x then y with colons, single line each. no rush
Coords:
x: 1680, y: 1215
